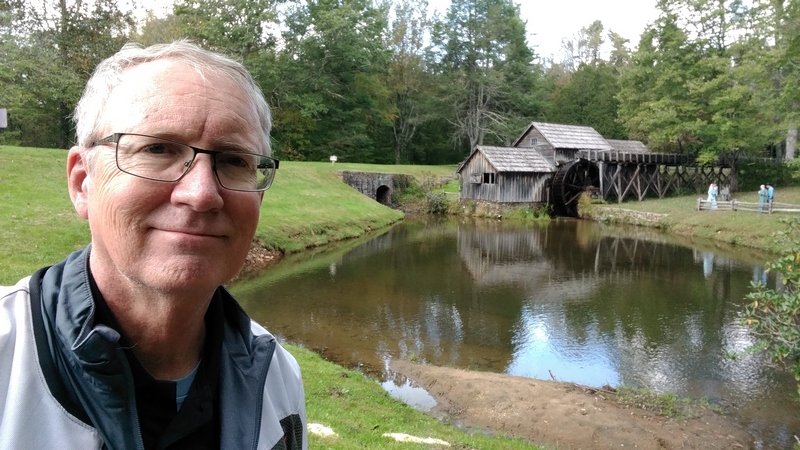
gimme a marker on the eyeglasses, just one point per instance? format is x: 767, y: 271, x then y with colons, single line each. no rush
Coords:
x: 161, y: 159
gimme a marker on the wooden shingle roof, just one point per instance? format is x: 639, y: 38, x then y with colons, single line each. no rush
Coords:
x: 628, y: 146
x: 577, y: 137
x: 512, y: 159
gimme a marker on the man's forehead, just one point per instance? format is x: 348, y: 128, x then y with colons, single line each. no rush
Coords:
x: 157, y: 90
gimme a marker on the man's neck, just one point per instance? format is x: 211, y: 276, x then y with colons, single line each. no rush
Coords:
x: 165, y: 332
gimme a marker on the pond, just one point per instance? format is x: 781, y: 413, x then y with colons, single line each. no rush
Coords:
x: 572, y: 300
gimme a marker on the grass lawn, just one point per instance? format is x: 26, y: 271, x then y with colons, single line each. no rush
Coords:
x: 745, y: 228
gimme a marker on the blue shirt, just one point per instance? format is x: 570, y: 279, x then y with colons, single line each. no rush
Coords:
x: 771, y: 192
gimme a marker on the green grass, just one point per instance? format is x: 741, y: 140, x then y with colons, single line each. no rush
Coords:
x: 360, y: 411
x: 741, y: 228
x: 666, y: 405
x: 38, y: 225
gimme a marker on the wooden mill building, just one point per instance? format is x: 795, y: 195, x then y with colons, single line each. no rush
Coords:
x: 554, y: 163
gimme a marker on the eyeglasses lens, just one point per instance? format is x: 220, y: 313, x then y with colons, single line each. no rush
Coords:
x: 163, y: 160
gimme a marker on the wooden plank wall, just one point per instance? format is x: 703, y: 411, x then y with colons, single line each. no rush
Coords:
x: 509, y: 188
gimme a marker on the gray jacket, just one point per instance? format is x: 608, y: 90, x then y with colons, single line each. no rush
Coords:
x: 66, y: 383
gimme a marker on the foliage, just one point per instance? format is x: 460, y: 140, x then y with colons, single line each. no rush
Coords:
x: 49, y: 51
x: 752, y: 172
x: 330, y: 95
x: 667, y: 405
x: 589, y: 98
x: 706, y: 79
x: 538, y: 214
x: 437, y: 203
x: 488, y: 74
x: 233, y: 27
x: 774, y: 314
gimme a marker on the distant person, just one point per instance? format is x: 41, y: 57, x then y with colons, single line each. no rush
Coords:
x: 132, y: 342
x: 725, y: 194
x: 763, y: 199
x: 771, y: 196
x: 712, y: 196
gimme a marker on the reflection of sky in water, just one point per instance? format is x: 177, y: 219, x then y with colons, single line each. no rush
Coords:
x: 539, y: 352
x: 411, y: 394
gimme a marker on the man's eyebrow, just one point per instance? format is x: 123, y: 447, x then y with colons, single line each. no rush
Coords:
x: 226, y: 143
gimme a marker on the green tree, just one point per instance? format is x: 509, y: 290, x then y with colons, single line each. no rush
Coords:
x: 408, y: 81
x: 620, y: 53
x: 590, y: 99
x: 480, y: 51
x: 654, y: 101
x: 53, y: 48
x: 703, y: 81
x: 330, y: 92
x: 159, y: 30
x: 234, y: 27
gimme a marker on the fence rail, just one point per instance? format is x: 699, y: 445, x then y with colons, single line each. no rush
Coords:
x: 736, y: 205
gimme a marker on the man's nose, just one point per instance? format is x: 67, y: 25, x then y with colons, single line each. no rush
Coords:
x: 199, y: 186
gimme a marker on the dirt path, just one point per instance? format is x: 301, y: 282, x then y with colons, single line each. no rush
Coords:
x: 563, y: 415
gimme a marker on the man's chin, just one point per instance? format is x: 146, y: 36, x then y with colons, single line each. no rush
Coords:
x: 203, y: 275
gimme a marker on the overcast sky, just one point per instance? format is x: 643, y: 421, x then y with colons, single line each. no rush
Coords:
x: 550, y: 21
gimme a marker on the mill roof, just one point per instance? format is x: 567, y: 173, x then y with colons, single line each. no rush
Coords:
x: 628, y: 146
x: 511, y: 159
x: 560, y: 136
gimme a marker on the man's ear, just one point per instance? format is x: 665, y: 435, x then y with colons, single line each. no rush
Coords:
x: 78, y: 180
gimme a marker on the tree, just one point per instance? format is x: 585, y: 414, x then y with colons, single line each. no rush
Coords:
x: 479, y: 48
x: 703, y: 81
x: 234, y: 27
x: 654, y: 100
x: 590, y: 99
x: 584, y: 48
x: 330, y: 93
x: 159, y: 30
x: 53, y: 49
x: 408, y: 81
x: 620, y: 54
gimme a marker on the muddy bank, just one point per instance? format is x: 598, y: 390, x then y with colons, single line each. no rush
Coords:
x: 565, y: 415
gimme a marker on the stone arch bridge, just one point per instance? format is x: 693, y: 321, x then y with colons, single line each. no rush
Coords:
x: 377, y: 186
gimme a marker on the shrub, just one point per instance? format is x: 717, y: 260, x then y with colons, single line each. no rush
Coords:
x: 539, y: 213
x: 774, y: 314
x: 751, y: 173
x: 436, y: 203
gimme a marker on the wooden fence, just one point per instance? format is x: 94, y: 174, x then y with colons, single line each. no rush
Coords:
x: 736, y: 205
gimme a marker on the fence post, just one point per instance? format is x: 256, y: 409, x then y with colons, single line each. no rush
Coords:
x: 697, y: 208
x: 733, y: 204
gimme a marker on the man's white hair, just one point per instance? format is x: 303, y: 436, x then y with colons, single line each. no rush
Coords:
x: 110, y: 72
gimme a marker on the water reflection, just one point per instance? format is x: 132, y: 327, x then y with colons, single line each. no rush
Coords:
x: 575, y: 301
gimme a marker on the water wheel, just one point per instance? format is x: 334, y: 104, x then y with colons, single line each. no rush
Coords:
x: 570, y: 181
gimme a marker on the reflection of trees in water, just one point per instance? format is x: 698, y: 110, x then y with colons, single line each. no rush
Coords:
x: 650, y: 298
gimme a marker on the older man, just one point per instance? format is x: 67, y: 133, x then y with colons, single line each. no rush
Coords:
x: 132, y: 343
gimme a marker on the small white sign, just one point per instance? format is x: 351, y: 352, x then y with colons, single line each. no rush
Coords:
x: 3, y: 118
x: 333, y: 159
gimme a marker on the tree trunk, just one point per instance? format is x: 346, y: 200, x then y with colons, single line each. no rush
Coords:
x: 791, y: 144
